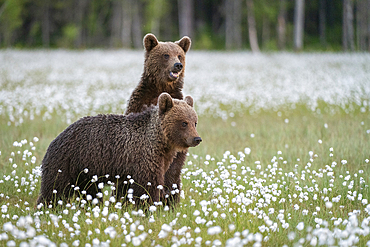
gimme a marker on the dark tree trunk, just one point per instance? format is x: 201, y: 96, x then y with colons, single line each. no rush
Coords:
x: 252, y: 27
x: 137, y: 35
x: 116, y: 24
x: 46, y: 24
x: 348, y: 35
x: 81, y: 8
x: 282, y: 17
x: 368, y: 25
x: 233, y: 39
x: 186, y: 17
x: 237, y: 24
x: 362, y: 13
x: 126, y: 23
x: 322, y: 22
x: 229, y: 36
x: 298, y: 25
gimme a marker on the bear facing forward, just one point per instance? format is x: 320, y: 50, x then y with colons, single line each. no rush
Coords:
x: 132, y: 151
x: 164, y: 71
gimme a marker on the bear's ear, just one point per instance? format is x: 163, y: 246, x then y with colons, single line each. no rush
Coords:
x: 150, y: 41
x: 165, y: 102
x: 189, y: 100
x: 184, y: 43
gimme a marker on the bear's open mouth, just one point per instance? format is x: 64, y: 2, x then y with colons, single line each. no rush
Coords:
x: 174, y: 75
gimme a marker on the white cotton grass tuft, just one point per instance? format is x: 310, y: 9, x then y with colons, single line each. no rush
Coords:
x: 262, y: 94
x: 214, y: 230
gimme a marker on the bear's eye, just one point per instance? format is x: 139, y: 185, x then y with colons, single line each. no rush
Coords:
x: 166, y: 56
x: 195, y: 124
x: 179, y: 56
x: 184, y: 124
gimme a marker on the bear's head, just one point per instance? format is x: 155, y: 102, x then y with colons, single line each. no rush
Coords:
x: 179, y: 121
x: 165, y: 61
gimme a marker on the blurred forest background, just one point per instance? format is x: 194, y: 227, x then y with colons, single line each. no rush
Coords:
x: 323, y: 25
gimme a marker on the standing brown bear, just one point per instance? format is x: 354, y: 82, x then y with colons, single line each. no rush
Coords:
x: 134, y: 151
x: 164, y: 68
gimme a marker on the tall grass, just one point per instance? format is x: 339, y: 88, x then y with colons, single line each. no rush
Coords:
x: 268, y: 173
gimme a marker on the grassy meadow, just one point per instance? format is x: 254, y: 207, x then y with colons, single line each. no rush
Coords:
x: 284, y: 159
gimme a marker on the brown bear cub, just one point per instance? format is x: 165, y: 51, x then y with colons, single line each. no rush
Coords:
x: 132, y: 151
x: 164, y: 70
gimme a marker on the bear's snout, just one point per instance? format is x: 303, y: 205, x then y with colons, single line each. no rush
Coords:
x: 197, y: 140
x: 175, y: 71
x: 177, y: 67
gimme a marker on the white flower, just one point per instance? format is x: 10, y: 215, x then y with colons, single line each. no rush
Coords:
x: 160, y: 187
x: 8, y: 226
x: 214, y: 230
x: 140, y: 227
x: 136, y: 241
x: 33, y: 160
x: 152, y: 208
x: 198, y: 240
x: 162, y: 234
x: 300, y: 226
x: 76, y: 243
x: 291, y: 235
x: 166, y: 228
x: 101, y: 185
x: 86, y: 170
x: 144, y: 196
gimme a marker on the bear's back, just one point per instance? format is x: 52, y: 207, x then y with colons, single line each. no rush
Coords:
x: 104, y: 141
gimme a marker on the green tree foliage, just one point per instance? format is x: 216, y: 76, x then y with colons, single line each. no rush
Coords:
x: 10, y: 20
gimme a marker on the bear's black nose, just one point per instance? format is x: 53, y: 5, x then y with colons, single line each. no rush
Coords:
x: 178, y: 67
x: 197, y: 140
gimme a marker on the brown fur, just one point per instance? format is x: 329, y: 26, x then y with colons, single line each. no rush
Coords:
x: 140, y: 145
x: 156, y: 77
x: 155, y: 80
